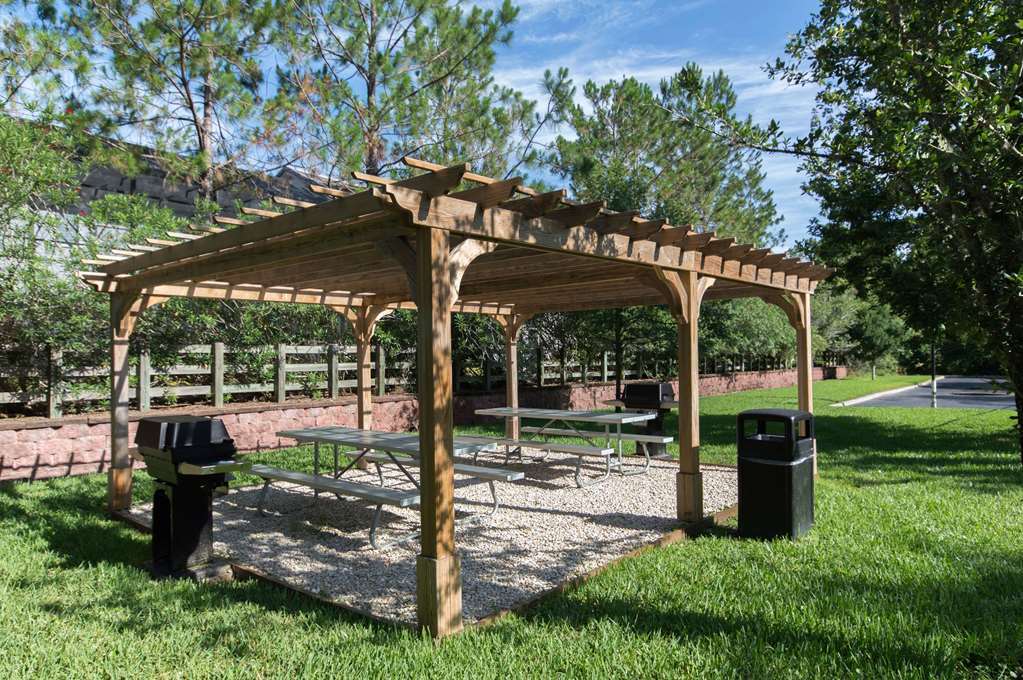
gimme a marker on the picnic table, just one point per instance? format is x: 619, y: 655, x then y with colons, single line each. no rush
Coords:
x: 379, y: 448
x: 554, y: 417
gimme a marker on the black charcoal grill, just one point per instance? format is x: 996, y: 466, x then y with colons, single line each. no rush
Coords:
x: 650, y: 396
x: 189, y: 456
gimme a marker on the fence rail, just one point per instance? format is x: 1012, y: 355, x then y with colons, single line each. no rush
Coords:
x: 329, y: 370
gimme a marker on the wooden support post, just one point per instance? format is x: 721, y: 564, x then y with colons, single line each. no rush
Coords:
x: 363, y: 321
x: 54, y: 388
x: 122, y: 321
x: 217, y: 374
x: 539, y: 364
x: 145, y: 381
x: 281, y: 374
x: 804, y: 365
x: 381, y: 380
x: 363, y: 380
x: 438, y: 577
x: 685, y: 291
x: 797, y: 308
x: 689, y: 481
x: 603, y: 367
x: 332, y: 383
x: 511, y: 324
x: 564, y: 366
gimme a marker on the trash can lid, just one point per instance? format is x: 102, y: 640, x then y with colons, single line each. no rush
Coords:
x: 776, y: 414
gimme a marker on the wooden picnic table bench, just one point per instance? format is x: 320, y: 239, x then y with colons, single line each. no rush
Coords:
x: 514, y: 446
x: 606, y: 418
x: 397, y: 448
x: 378, y: 495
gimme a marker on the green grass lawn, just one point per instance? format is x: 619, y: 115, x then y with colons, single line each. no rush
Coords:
x: 914, y: 569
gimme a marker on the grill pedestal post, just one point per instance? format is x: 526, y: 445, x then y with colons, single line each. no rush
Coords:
x: 182, y: 540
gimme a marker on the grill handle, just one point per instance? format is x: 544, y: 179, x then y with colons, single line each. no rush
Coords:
x: 216, y: 468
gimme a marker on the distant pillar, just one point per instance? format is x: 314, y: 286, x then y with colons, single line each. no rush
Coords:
x: 511, y: 324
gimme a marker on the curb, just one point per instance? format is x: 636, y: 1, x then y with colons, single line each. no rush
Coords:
x: 885, y: 393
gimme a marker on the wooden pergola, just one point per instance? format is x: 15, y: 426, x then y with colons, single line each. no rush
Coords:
x: 497, y: 248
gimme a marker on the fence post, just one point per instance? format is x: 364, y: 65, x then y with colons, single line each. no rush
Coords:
x: 332, y: 386
x: 381, y: 371
x: 603, y: 366
x: 564, y: 367
x: 217, y: 373
x: 539, y: 365
x: 144, y: 381
x: 281, y: 374
x: 54, y: 390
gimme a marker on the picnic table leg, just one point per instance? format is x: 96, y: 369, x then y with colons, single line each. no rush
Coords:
x: 316, y: 465
x: 591, y: 482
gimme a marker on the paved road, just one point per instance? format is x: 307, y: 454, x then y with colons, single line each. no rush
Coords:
x: 953, y: 392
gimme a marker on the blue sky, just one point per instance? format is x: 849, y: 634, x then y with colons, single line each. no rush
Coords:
x: 652, y: 39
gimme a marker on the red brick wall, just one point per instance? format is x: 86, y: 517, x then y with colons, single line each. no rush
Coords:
x: 35, y: 448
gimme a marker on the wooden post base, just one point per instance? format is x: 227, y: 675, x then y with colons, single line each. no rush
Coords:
x: 439, y: 594
x: 815, y: 473
x: 119, y: 489
x: 689, y: 488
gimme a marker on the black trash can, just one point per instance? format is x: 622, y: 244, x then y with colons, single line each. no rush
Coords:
x: 775, y: 473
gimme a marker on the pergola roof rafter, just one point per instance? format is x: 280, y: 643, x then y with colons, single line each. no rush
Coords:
x: 551, y: 246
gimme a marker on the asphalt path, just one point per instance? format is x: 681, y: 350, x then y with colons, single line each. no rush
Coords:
x: 953, y: 392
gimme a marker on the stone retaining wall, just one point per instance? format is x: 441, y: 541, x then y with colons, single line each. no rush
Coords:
x: 36, y: 448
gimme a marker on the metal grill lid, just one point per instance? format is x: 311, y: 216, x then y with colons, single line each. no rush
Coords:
x: 647, y: 394
x: 182, y: 432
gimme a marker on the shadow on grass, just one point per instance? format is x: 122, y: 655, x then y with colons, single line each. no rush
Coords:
x: 68, y: 515
x: 896, y: 619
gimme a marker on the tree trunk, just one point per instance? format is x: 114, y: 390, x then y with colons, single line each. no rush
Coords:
x: 1015, y: 371
x: 206, y: 136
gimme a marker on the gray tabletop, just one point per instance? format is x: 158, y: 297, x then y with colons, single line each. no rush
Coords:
x: 601, y: 417
x: 394, y: 442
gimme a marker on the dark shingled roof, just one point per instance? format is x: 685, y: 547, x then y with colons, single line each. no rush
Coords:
x: 250, y: 189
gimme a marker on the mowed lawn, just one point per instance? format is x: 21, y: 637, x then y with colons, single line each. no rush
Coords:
x: 914, y: 569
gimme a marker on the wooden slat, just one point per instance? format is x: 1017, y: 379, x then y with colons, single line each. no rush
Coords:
x: 736, y: 251
x: 718, y: 246
x: 259, y: 212
x: 608, y: 222
x: 669, y: 236
x: 162, y: 242
x: 771, y: 260
x: 696, y: 241
x: 489, y: 195
x: 575, y: 215
x: 224, y: 219
x: 788, y: 265
x: 537, y: 205
x: 470, y: 176
x: 755, y: 256
x: 142, y: 248
x: 329, y: 191
x: 293, y: 202
x: 324, y: 213
x: 205, y: 228
x: 183, y: 236
x: 435, y: 183
x: 642, y: 230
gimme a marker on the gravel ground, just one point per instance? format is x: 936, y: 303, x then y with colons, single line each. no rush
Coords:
x: 545, y: 532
